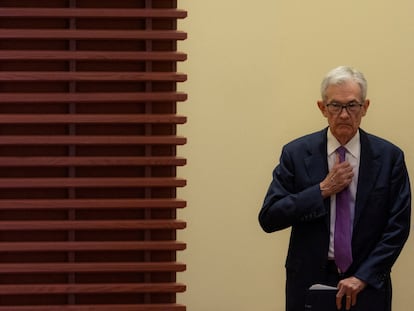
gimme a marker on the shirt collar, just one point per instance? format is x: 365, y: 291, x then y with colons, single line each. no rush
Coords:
x: 353, y: 146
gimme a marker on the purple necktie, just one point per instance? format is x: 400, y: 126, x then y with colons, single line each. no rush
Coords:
x: 342, y: 237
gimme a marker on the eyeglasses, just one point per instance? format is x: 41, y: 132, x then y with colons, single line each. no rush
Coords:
x: 336, y: 108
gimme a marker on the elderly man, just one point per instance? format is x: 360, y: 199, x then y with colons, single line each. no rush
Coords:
x: 346, y: 196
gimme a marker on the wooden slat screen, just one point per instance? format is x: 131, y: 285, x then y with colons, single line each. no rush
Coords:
x: 88, y: 206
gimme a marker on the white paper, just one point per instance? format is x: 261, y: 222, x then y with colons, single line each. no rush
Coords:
x: 322, y: 287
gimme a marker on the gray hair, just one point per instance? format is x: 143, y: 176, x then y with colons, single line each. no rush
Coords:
x: 341, y: 75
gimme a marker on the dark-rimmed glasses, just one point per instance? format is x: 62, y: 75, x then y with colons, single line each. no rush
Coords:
x: 336, y: 108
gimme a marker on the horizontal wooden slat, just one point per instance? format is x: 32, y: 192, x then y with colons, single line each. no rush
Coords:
x: 91, y: 118
x: 90, y: 161
x: 92, y: 13
x: 54, y: 246
x: 98, y: 34
x: 36, y: 289
x: 82, y: 267
x: 91, y: 225
x: 92, y: 55
x: 91, y: 140
x: 98, y: 203
x: 99, y: 307
x: 90, y: 76
x: 113, y: 97
x: 91, y: 182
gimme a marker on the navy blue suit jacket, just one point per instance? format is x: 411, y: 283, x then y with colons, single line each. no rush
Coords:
x: 382, y: 212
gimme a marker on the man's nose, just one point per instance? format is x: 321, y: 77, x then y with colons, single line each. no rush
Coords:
x: 344, y: 112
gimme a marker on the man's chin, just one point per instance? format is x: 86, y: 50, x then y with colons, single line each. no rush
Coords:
x: 344, y: 135
x: 345, y: 129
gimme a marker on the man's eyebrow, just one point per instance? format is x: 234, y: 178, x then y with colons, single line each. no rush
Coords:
x: 342, y: 103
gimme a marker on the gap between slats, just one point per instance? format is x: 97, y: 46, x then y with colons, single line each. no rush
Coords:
x: 57, y: 246
x: 69, y: 34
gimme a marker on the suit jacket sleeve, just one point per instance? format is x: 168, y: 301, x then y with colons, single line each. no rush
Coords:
x: 292, y: 197
x: 391, y: 194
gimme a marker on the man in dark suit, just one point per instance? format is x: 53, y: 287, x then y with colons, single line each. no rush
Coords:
x: 306, y: 185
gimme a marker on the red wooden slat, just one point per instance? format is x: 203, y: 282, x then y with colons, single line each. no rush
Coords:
x: 90, y: 140
x: 92, y: 12
x: 90, y: 246
x: 58, y: 267
x: 91, y: 118
x: 91, y: 288
x: 90, y: 204
x: 91, y: 55
x: 113, y: 97
x: 94, y: 182
x: 90, y: 76
x: 99, y: 307
x: 90, y: 161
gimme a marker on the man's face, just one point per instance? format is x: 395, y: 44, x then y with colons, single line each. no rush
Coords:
x: 343, y: 124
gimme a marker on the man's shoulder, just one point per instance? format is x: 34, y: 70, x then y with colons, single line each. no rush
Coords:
x: 379, y: 144
x: 308, y: 139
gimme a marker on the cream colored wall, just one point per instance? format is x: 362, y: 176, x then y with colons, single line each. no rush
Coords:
x: 254, y: 71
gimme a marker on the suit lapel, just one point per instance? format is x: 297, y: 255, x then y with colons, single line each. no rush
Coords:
x: 368, y: 170
x: 317, y: 164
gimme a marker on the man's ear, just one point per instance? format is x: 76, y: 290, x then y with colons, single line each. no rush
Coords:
x: 365, y: 107
x: 322, y: 108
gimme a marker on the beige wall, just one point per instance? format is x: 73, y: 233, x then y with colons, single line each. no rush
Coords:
x: 254, y: 72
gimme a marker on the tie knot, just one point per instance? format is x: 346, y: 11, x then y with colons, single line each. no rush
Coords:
x: 341, y: 151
